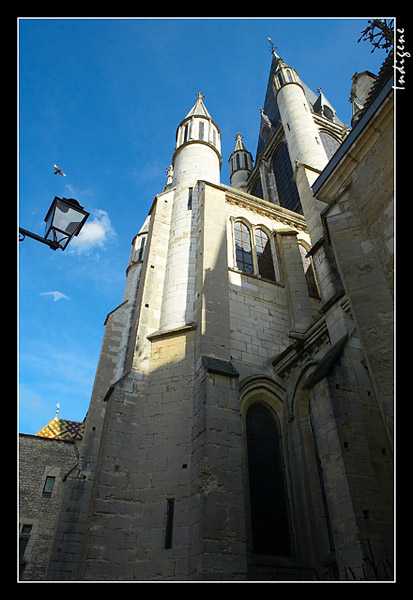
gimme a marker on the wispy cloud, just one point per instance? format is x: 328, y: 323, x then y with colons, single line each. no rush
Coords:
x: 96, y: 233
x: 56, y: 295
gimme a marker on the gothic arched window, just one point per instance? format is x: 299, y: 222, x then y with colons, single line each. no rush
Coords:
x: 283, y: 173
x: 330, y: 143
x: 264, y: 255
x: 268, y: 498
x: 243, y: 248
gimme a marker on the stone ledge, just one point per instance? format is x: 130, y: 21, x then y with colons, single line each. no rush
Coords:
x: 218, y: 366
x: 158, y: 335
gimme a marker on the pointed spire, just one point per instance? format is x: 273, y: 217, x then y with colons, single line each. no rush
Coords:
x: 199, y: 108
x: 239, y: 145
x: 323, y: 107
x: 241, y: 164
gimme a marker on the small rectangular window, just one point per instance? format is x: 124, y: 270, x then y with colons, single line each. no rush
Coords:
x: 48, y: 486
x: 190, y: 198
x: 170, y: 505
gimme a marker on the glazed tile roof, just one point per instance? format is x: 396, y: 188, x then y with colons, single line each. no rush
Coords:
x: 63, y: 430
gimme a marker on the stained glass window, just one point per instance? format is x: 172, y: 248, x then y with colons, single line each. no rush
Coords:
x: 243, y: 249
x: 286, y: 187
x: 264, y: 255
x: 330, y: 143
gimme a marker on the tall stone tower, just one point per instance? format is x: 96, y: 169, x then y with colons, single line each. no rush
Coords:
x: 233, y: 432
x: 197, y: 157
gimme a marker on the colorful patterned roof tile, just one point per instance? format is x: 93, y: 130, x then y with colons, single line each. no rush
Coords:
x: 62, y: 430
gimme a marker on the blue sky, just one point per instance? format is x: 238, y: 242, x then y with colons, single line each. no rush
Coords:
x: 102, y: 98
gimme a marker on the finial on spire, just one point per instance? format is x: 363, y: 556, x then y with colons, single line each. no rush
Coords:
x: 273, y: 49
x: 199, y: 96
x: 57, y: 410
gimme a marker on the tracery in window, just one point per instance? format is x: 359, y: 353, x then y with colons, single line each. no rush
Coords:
x: 264, y: 255
x: 243, y: 248
x: 253, y: 251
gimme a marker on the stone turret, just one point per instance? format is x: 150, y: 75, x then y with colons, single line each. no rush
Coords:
x: 197, y: 157
x: 241, y: 164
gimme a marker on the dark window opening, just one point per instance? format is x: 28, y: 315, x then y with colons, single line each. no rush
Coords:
x: 201, y: 130
x: 24, y: 539
x: 141, y: 249
x: 170, y: 506
x: 286, y: 187
x: 264, y: 255
x: 268, y: 498
x: 309, y: 273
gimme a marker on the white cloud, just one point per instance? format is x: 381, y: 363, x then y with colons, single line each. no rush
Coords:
x: 56, y: 295
x: 96, y: 233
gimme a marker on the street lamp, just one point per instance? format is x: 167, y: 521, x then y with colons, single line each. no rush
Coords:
x: 65, y: 218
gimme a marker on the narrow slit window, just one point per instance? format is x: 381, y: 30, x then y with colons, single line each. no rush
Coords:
x: 141, y: 249
x: 190, y: 198
x: 170, y: 506
x: 201, y: 130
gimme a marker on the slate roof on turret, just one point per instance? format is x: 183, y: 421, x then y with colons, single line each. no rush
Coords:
x: 239, y: 144
x: 199, y: 109
x: 271, y: 109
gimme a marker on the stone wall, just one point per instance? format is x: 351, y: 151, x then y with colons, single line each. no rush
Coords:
x: 40, y: 458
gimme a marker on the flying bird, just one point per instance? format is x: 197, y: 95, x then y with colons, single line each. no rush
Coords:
x: 59, y: 171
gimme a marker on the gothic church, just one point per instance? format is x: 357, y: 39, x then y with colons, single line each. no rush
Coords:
x: 240, y: 426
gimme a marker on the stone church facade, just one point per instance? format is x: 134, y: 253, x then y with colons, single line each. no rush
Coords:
x: 240, y: 425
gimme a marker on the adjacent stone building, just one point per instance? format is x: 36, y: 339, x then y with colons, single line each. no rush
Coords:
x: 240, y: 421
x: 46, y: 459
